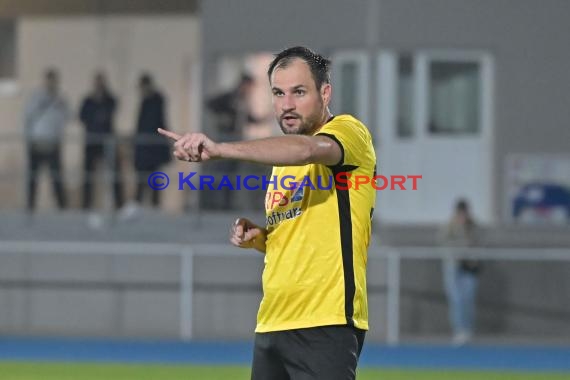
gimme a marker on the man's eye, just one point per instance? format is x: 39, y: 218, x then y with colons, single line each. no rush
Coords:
x: 277, y: 93
x: 299, y: 92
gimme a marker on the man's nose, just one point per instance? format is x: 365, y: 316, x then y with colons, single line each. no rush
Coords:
x: 288, y: 103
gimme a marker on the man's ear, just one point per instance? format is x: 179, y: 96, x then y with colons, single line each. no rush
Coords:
x: 326, y: 93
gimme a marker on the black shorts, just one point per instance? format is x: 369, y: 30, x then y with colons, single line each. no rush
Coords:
x: 327, y: 352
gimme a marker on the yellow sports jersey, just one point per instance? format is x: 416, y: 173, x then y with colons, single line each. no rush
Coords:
x: 318, y: 234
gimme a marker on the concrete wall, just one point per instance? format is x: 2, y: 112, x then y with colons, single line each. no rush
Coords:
x: 230, y: 26
x: 123, y: 46
x: 98, y: 295
x: 139, y: 296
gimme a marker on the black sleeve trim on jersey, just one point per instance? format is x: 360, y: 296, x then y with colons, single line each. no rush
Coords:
x: 333, y: 137
x: 345, y: 219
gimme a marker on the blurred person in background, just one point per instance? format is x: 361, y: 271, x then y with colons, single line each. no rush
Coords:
x: 45, y: 115
x: 232, y: 112
x: 461, y: 275
x: 313, y: 317
x: 150, y: 151
x: 97, y: 115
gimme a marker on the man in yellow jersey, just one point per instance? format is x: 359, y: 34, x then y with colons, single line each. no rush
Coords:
x: 314, y: 313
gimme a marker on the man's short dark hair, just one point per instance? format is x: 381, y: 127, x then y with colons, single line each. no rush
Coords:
x: 246, y: 78
x: 145, y: 79
x: 319, y: 65
x: 51, y: 73
x: 462, y: 205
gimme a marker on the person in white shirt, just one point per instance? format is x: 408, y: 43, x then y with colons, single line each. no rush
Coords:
x: 45, y: 115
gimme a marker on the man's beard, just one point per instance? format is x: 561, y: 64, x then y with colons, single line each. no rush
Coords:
x: 307, y: 125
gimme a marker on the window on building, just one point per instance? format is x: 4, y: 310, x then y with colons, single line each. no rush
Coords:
x: 454, y: 97
x: 350, y: 78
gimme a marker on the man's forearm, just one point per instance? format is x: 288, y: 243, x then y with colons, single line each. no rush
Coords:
x: 276, y: 151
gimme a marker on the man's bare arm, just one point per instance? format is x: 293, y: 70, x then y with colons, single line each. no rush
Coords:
x: 284, y: 150
x: 292, y: 150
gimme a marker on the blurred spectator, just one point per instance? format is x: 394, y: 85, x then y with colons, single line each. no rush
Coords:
x: 231, y: 110
x: 96, y: 114
x: 232, y: 113
x: 45, y: 115
x: 461, y: 276
x: 150, y: 150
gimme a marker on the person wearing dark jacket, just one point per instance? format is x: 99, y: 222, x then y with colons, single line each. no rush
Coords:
x: 231, y: 110
x: 97, y: 113
x: 232, y: 113
x: 150, y: 150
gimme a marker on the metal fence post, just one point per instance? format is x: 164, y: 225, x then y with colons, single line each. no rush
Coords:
x: 186, y: 292
x: 393, y: 298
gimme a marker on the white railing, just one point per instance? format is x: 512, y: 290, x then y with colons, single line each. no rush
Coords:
x: 187, y: 254
x: 395, y: 255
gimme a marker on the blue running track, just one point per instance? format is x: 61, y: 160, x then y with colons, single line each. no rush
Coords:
x: 510, y: 358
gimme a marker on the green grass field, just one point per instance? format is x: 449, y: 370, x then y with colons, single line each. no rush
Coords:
x: 76, y: 371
